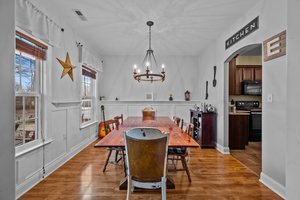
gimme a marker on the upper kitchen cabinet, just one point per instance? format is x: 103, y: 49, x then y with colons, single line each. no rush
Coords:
x: 235, y: 78
x: 258, y: 73
x: 248, y: 73
x: 252, y: 73
x: 243, y: 68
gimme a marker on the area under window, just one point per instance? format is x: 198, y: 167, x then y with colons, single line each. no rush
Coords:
x: 88, y: 95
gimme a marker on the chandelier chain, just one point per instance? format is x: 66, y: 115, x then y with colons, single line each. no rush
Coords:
x: 149, y: 37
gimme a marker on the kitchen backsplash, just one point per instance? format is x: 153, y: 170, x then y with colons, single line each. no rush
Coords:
x: 245, y: 98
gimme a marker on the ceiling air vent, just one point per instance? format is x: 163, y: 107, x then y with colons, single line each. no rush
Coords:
x: 79, y: 14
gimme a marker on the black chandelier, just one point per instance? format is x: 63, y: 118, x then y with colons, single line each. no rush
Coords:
x: 149, y: 63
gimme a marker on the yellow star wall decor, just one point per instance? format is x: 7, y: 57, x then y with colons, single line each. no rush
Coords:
x: 68, y: 67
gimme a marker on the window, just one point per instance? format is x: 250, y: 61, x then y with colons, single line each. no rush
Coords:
x: 28, y: 66
x: 88, y: 95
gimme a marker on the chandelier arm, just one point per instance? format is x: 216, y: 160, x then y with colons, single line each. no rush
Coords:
x: 155, y: 60
x: 145, y: 58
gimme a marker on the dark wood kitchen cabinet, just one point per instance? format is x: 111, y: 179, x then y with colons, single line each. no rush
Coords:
x: 252, y: 73
x: 248, y: 73
x: 204, y: 127
x: 258, y: 73
x: 235, y: 78
x: 239, y: 73
x: 238, y: 130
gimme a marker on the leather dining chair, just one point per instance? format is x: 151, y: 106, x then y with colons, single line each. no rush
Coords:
x: 146, y: 158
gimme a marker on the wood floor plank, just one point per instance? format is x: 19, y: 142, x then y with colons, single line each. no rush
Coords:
x: 251, y: 156
x: 214, y: 176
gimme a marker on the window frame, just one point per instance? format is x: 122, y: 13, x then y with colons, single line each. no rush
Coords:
x: 41, y: 137
x: 93, y: 98
x: 38, y: 114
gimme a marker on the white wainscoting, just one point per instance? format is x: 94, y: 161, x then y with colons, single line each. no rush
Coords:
x: 67, y: 139
x: 134, y: 108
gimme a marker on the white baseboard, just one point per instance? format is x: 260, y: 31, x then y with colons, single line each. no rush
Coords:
x: 223, y: 150
x: 272, y: 184
x: 51, y: 167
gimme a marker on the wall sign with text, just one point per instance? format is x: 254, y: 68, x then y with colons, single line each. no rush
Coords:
x: 246, y: 30
x: 275, y: 46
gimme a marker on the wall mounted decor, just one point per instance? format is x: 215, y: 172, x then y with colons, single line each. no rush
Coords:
x: 246, y: 30
x: 275, y: 46
x: 68, y: 67
x: 214, y: 80
x: 149, y: 96
x: 206, y: 90
x: 187, y: 95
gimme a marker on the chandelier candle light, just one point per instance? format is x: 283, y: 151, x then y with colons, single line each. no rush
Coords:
x: 149, y: 62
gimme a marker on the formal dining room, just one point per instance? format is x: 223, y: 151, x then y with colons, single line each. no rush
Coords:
x: 140, y: 99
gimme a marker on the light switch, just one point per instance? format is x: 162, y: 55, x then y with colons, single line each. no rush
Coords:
x: 270, y: 98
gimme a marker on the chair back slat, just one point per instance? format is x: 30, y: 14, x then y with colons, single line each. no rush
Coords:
x: 178, y: 121
x: 111, y: 125
x: 188, y: 128
x: 119, y: 119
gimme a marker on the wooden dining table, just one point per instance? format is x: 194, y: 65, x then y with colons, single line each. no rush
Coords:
x: 177, y: 138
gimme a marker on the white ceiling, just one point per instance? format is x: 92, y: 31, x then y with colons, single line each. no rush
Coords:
x: 181, y: 27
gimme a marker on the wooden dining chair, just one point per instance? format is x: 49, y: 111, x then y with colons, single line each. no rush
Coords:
x: 188, y: 128
x: 181, y: 153
x: 119, y: 151
x: 109, y: 126
x: 119, y: 119
x: 146, y: 150
x: 178, y: 121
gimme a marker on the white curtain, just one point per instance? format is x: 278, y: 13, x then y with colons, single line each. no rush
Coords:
x: 91, y: 60
x: 31, y: 19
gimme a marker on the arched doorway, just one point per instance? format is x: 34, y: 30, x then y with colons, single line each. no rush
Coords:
x: 243, y: 111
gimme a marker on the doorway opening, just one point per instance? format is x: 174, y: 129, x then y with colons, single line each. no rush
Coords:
x: 244, y: 103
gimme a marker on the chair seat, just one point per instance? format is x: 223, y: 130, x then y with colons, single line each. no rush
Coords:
x: 177, y: 151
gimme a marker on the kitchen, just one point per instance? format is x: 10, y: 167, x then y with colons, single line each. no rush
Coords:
x: 245, y: 107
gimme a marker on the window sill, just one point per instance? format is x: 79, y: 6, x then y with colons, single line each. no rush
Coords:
x: 33, y: 148
x: 87, y: 125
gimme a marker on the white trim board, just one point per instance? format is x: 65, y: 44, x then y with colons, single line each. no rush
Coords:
x: 51, y: 167
x: 272, y: 184
x: 223, y: 150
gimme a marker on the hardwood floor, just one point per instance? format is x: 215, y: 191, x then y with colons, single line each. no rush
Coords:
x: 251, y: 156
x: 214, y: 176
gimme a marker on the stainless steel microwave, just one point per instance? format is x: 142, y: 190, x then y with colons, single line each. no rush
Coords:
x: 252, y: 88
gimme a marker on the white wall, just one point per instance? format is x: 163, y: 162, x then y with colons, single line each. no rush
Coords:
x: 272, y: 18
x: 293, y: 108
x: 7, y: 150
x: 61, y: 112
x: 117, y: 78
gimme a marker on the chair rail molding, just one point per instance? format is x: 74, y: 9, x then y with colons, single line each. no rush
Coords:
x: 134, y: 108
